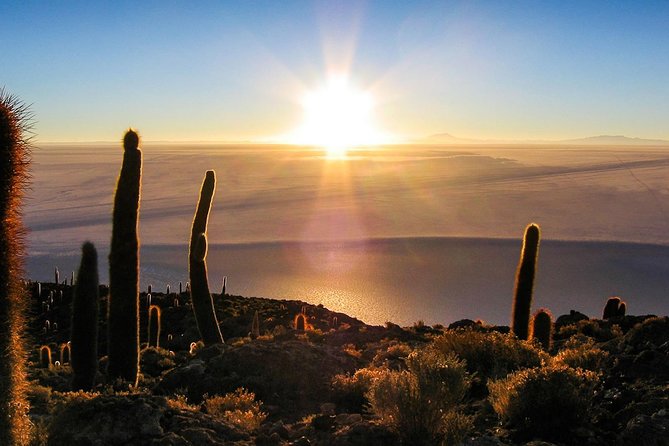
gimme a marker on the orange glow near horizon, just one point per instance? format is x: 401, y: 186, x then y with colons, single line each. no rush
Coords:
x: 337, y: 117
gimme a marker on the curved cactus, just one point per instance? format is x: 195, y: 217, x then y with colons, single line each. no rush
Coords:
x: 14, y: 160
x: 124, y: 267
x: 522, y: 300
x: 203, y: 305
x: 154, y: 326
x: 542, y: 328
x: 85, y: 310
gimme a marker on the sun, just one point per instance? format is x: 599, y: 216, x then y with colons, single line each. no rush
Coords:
x: 337, y: 117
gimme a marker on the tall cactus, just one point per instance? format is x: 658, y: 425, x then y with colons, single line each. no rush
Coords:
x: 85, y: 310
x: 203, y: 305
x: 542, y: 328
x: 124, y: 267
x: 14, y: 160
x: 522, y: 300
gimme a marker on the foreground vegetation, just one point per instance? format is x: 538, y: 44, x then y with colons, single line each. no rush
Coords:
x: 311, y: 376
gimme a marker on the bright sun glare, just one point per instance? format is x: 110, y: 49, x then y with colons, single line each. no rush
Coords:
x: 337, y: 117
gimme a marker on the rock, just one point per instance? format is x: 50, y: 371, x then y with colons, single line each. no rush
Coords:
x: 487, y: 440
x: 328, y: 408
x: 364, y: 434
x: 323, y: 422
x: 647, y: 431
x: 302, y: 441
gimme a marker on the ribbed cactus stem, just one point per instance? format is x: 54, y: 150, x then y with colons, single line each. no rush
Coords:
x: 14, y: 160
x: 85, y: 310
x: 542, y: 328
x: 527, y: 265
x: 203, y: 305
x: 124, y: 267
x: 154, y: 326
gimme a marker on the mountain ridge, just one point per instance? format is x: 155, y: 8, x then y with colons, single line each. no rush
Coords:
x: 447, y: 138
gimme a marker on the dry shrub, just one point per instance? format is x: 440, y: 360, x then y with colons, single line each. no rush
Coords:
x: 419, y: 403
x: 547, y: 402
x: 180, y: 402
x: 581, y: 353
x: 238, y: 408
x: 348, y: 391
x: 490, y: 355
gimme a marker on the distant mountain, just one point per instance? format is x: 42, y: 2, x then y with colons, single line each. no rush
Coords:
x: 609, y: 140
x: 616, y: 140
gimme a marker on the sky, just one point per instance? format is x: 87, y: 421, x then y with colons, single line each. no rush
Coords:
x: 238, y: 70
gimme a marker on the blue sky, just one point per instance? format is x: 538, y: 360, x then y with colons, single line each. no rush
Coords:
x: 236, y: 70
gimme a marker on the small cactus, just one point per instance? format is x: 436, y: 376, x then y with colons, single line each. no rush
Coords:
x: 255, y: 325
x: 300, y: 322
x: 154, y: 326
x: 124, y: 267
x: 45, y: 357
x: 65, y: 353
x: 614, y: 307
x: 85, y: 310
x: 522, y: 301
x: 203, y: 305
x: 542, y: 328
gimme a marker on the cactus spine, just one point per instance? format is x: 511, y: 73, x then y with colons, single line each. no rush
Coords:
x: 542, y: 328
x: 85, y: 310
x: 14, y: 160
x: 203, y: 305
x: 525, y: 282
x: 124, y: 267
x: 154, y: 326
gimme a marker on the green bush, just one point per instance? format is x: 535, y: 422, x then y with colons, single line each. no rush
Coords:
x: 490, y: 355
x: 545, y: 402
x: 238, y: 408
x: 419, y: 403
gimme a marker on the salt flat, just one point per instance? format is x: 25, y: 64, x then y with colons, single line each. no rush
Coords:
x: 402, y: 233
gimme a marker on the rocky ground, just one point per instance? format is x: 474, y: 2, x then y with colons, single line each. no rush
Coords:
x: 293, y: 374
